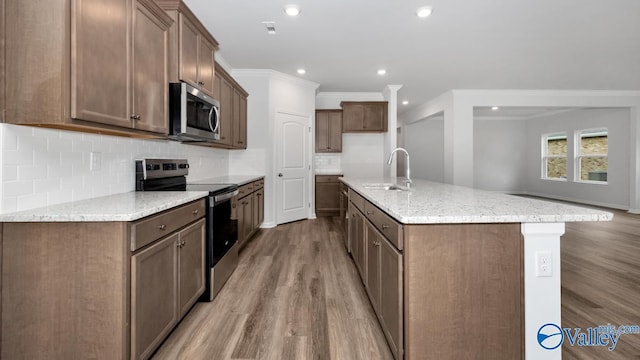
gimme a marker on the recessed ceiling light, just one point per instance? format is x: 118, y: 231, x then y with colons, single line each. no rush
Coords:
x: 424, y: 11
x: 302, y: 71
x: 382, y: 72
x: 292, y: 10
x: 494, y: 108
x: 405, y: 102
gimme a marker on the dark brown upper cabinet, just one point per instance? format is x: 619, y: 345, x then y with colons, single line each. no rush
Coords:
x: 328, y: 131
x: 364, y: 116
x: 191, y: 47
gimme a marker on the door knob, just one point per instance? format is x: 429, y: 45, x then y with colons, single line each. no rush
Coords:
x: 280, y: 175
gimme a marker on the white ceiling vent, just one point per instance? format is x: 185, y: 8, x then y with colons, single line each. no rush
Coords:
x: 271, y: 27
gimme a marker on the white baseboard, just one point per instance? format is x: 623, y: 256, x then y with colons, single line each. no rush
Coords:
x: 268, y: 225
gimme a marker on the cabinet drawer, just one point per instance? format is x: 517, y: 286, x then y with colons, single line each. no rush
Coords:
x: 328, y: 178
x: 152, y: 228
x: 385, y: 224
x: 245, y: 190
x: 258, y: 184
x: 357, y: 200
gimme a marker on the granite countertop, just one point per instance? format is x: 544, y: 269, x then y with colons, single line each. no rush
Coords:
x: 229, y: 179
x: 128, y: 206
x: 328, y: 172
x: 436, y: 203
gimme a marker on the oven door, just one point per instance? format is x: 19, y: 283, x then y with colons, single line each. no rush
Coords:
x: 223, y: 228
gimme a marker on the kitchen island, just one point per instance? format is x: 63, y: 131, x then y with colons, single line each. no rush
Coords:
x: 459, y: 273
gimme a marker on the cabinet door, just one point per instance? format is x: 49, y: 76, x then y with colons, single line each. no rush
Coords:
x: 327, y: 197
x: 188, y: 51
x: 373, y: 241
x: 191, y: 265
x: 352, y: 117
x: 258, y: 205
x: 260, y: 199
x: 335, y: 131
x: 99, y: 62
x: 391, y: 298
x: 150, y: 81
x: 240, y: 129
x: 322, y: 131
x: 245, y: 220
x: 154, y: 292
x: 206, y: 63
x: 375, y: 118
x: 360, y: 256
x: 226, y: 111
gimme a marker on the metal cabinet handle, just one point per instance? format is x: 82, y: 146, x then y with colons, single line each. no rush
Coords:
x: 178, y: 244
x: 384, y: 226
x: 182, y: 243
x: 162, y: 227
x: 195, y: 212
x: 280, y: 175
x: 240, y: 142
x: 135, y: 117
x: 369, y: 212
x: 201, y: 83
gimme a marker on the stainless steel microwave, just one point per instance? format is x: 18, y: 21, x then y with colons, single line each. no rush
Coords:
x: 193, y: 115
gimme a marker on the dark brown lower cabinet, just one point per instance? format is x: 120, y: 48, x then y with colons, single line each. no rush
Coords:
x: 328, y: 195
x: 249, y: 209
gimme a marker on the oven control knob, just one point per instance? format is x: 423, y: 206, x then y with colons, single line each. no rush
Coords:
x: 280, y: 175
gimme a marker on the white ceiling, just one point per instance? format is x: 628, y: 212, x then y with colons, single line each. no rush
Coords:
x: 465, y: 44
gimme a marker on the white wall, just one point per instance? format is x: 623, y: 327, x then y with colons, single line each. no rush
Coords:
x: 270, y: 92
x: 424, y: 140
x: 613, y: 194
x: 43, y: 167
x: 362, y: 154
x: 500, y: 155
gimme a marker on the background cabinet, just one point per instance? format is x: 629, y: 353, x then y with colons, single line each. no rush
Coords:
x: 328, y: 131
x: 233, y: 110
x: 327, y: 195
x: 364, y: 116
x: 86, y: 83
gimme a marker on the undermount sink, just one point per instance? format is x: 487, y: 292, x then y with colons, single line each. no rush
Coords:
x: 384, y: 187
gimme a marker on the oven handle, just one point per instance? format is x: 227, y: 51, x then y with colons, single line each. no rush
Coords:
x: 222, y: 197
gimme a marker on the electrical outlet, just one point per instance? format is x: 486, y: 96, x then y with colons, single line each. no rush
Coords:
x: 95, y: 161
x: 544, y: 265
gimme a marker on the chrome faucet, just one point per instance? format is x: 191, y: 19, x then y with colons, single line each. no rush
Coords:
x: 407, y: 166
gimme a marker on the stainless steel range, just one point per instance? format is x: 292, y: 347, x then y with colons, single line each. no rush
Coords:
x: 222, y: 223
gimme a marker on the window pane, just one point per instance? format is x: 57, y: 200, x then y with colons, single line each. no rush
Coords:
x: 557, y: 145
x: 593, y: 168
x: 557, y: 168
x: 594, y: 142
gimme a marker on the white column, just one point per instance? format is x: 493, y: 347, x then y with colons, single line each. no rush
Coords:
x: 541, y: 294
x: 458, y: 144
x: 390, y: 137
x: 634, y: 157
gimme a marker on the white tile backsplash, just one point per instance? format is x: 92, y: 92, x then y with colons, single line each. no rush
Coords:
x: 42, y: 167
x: 328, y: 162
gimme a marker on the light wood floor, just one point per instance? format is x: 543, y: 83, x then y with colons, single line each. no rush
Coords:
x: 295, y: 295
x: 601, y: 282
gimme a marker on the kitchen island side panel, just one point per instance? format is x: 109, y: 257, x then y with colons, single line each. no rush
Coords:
x: 65, y: 291
x: 464, y: 291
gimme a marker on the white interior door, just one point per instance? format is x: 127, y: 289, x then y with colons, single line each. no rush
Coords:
x: 292, y: 167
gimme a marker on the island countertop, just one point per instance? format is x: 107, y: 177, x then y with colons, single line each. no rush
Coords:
x: 437, y: 203
x: 129, y: 206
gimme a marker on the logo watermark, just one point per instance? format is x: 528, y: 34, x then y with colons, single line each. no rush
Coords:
x: 550, y: 336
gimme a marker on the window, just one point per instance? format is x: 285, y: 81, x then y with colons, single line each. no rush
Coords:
x: 592, y: 160
x: 554, y: 156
